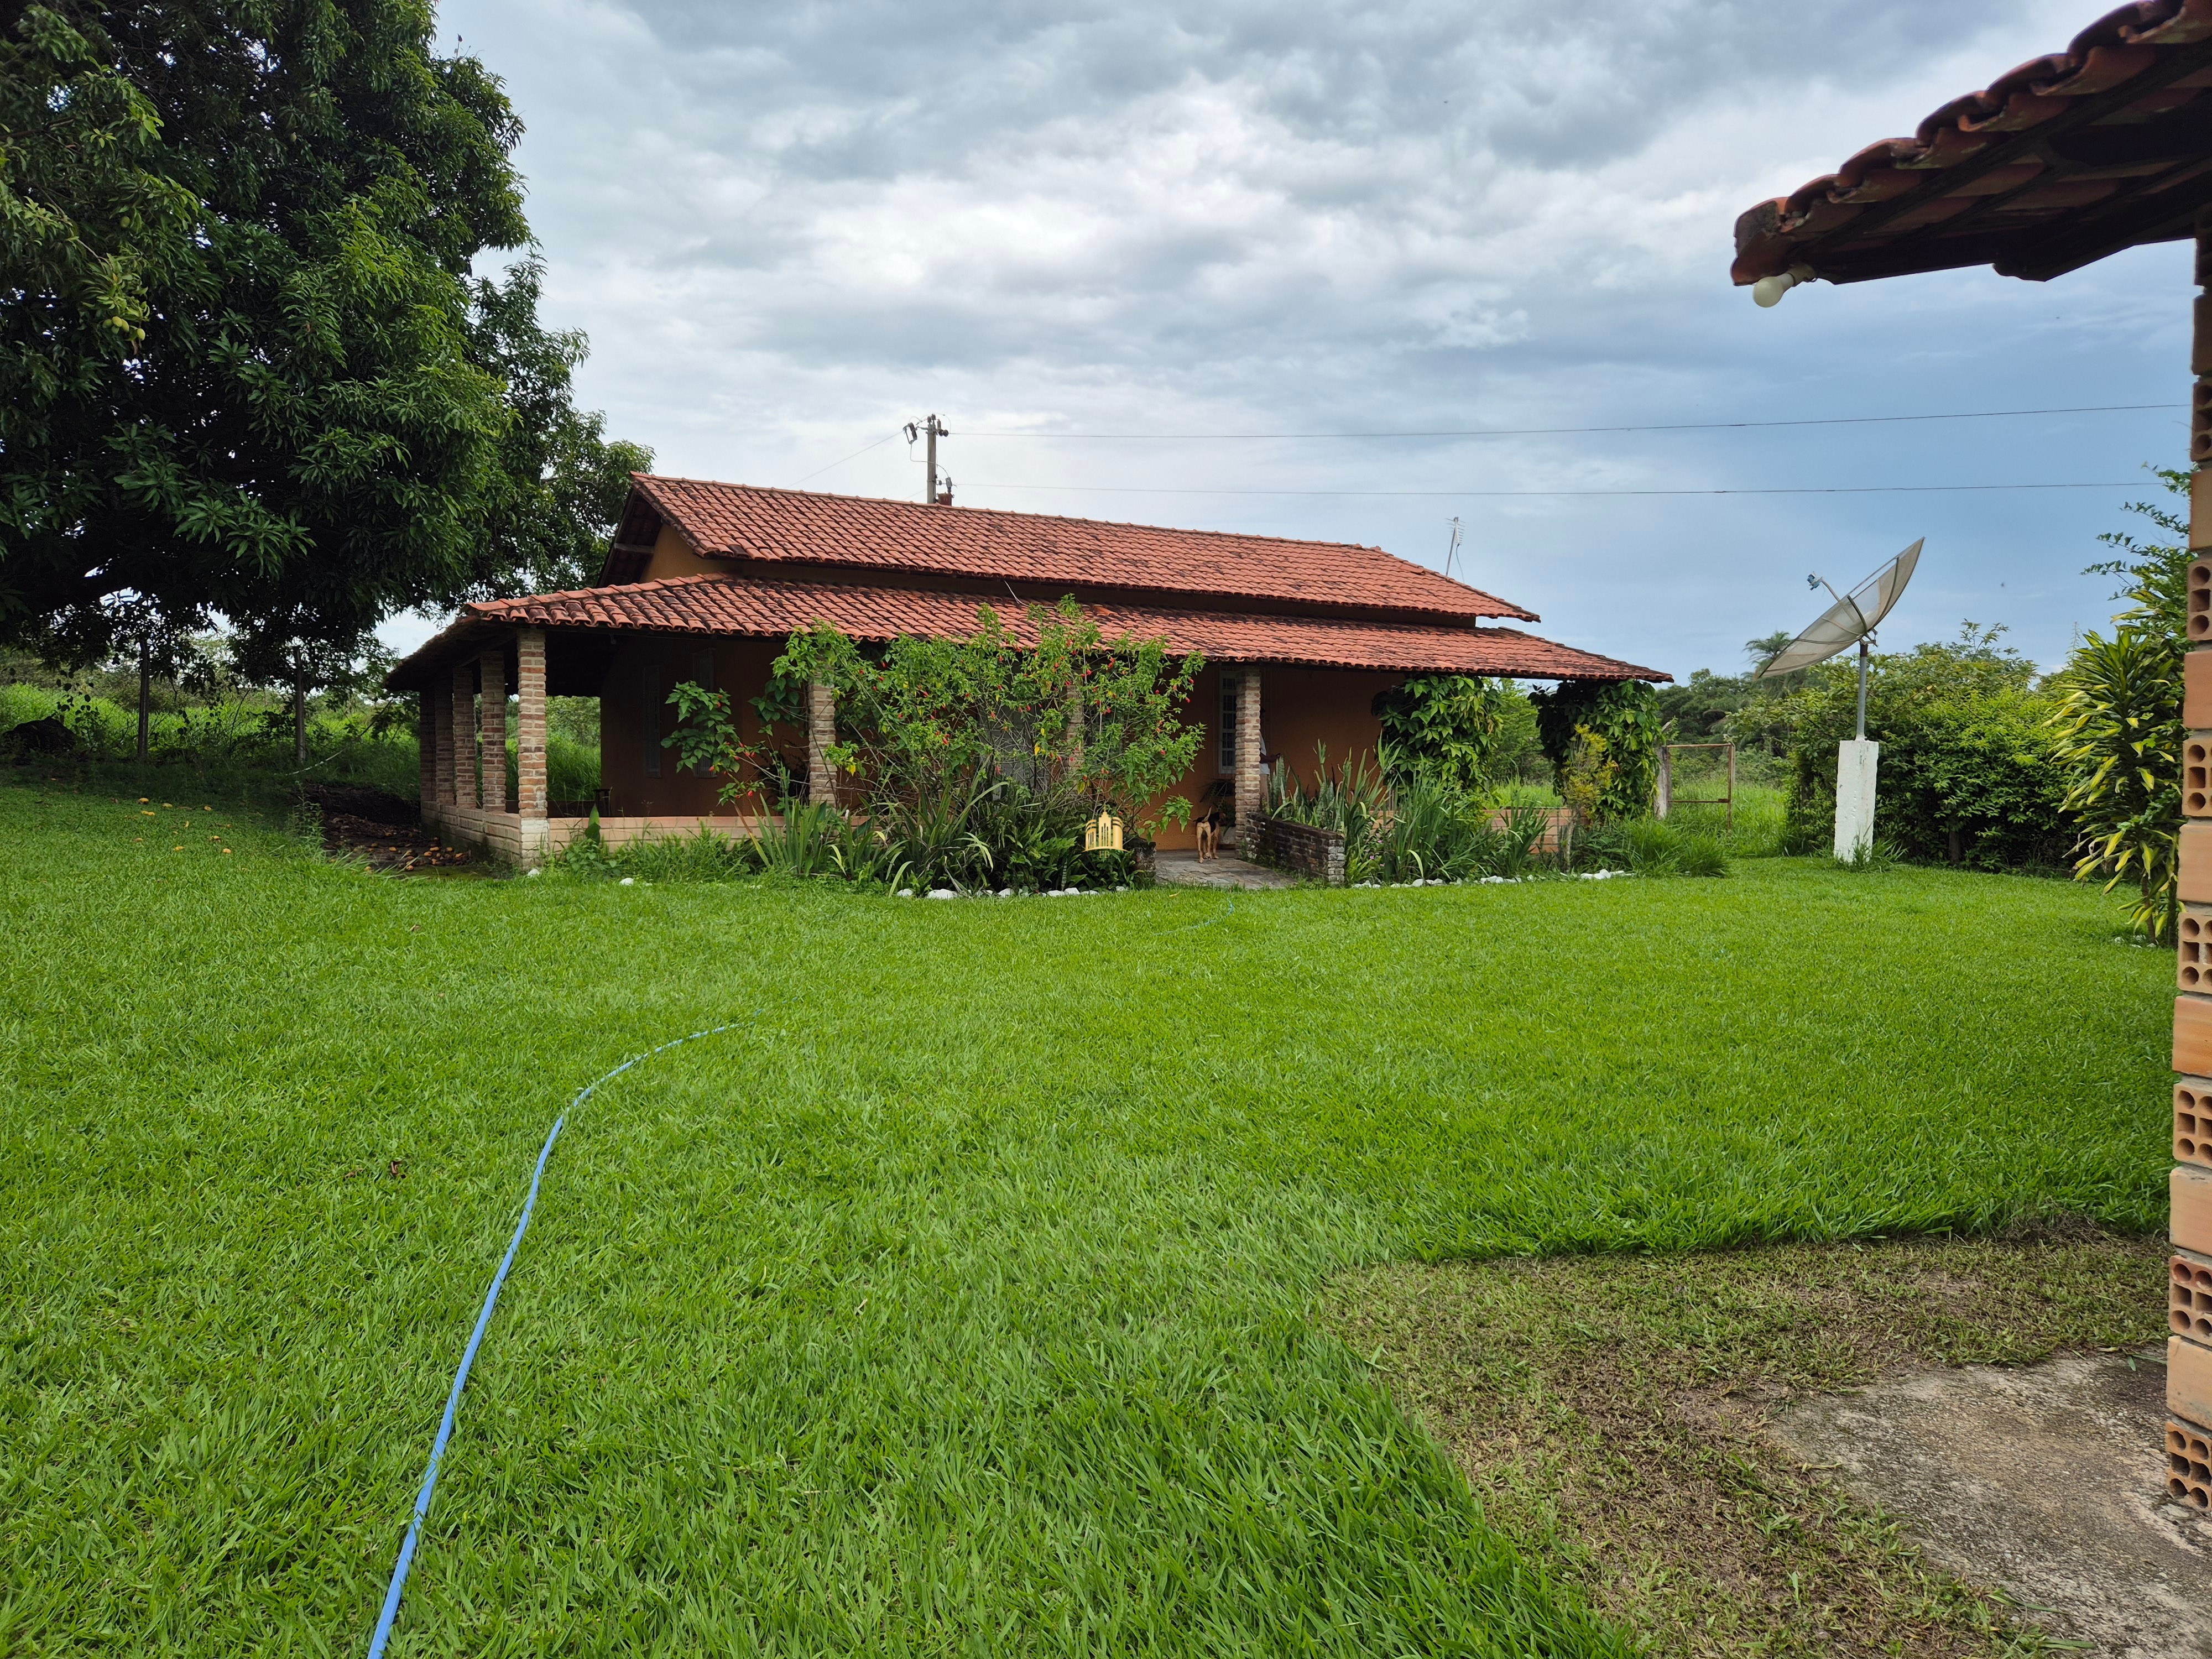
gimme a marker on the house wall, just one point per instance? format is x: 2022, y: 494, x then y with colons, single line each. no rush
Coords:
x: 1299, y: 707
x: 635, y: 715
x: 672, y: 556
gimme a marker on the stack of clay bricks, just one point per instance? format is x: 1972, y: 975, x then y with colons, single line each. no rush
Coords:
x: 2189, y: 1287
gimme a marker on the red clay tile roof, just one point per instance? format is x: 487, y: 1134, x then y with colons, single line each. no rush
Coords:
x: 762, y: 605
x: 2057, y: 163
x: 800, y: 527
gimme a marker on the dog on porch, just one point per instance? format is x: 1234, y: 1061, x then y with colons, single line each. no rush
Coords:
x: 1209, y: 836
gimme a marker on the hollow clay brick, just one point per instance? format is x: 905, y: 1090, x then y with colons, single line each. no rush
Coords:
x: 2188, y: 1464
x: 2196, y: 692
x: 2193, y: 952
x: 2188, y: 1379
x: 2192, y: 1036
x: 2200, y: 423
x: 2200, y: 516
x: 2192, y: 1120
x: 2200, y: 356
x: 2190, y: 1190
x: 2195, y: 884
x: 2196, y: 777
x: 2189, y: 1298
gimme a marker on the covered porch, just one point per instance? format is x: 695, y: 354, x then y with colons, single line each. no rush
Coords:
x: 1292, y: 688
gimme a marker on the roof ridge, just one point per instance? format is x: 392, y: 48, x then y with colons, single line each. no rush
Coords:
x: 1062, y: 518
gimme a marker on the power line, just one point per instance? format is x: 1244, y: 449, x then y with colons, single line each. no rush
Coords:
x: 1489, y: 494
x: 854, y: 456
x: 1564, y: 431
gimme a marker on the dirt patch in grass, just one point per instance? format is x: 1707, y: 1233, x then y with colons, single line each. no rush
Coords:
x: 1609, y: 1411
x: 397, y: 848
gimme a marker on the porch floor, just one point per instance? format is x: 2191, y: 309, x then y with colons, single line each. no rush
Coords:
x: 1183, y: 869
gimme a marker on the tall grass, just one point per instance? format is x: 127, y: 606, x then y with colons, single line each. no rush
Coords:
x: 1758, y: 831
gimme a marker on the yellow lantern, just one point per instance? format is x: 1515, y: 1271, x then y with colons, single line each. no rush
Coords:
x: 1103, y: 834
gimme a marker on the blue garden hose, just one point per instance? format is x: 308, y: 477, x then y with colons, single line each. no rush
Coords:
x: 398, y: 1588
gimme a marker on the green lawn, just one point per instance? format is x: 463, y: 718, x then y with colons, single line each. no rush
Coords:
x: 962, y: 1301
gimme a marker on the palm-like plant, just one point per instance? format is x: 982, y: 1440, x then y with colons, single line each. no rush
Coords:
x: 2119, y: 732
x: 2119, y: 724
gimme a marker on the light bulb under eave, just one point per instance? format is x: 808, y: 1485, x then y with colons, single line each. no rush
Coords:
x: 1767, y: 291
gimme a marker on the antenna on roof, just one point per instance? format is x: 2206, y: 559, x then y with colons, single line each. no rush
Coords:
x: 1850, y: 620
x: 1456, y: 529
x: 933, y: 428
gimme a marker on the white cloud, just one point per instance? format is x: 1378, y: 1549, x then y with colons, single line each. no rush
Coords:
x: 787, y: 229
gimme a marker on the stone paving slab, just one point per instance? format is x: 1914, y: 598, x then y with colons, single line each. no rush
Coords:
x: 2048, y: 1481
x: 1183, y: 870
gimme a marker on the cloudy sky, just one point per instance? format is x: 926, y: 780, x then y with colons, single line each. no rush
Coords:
x: 790, y: 229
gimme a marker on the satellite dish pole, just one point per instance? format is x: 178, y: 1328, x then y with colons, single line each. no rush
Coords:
x: 1852, y: 620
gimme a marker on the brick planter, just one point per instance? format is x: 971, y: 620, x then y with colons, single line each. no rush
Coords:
x: 1298, y: 848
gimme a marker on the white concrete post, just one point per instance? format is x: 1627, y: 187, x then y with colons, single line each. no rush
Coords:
x: 1857, y: 760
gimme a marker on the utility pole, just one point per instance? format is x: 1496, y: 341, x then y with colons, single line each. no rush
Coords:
x: 931, y: 428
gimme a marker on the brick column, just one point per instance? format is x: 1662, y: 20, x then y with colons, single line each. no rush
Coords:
x: 441, y: 699
x: 821, y: 732
x: 530, y: 722
x: 426, y: 746
x: 464, y: 733
x: 1251, y: 775
x: 2189, y: 1290
x: 491, y: 743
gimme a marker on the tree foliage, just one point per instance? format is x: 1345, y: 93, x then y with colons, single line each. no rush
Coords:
x: 1968, y: 770
x: 244, y: 368
x: 1623, y: 715
x: 2118, y: 724
x: 941, y: 720
x: 1710, y: 708
x: 1460, y: 730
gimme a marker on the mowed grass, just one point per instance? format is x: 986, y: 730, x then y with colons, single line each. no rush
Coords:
x: 962, y: 1300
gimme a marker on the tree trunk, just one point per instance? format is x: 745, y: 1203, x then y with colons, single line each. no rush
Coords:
x: 145, y: 693
x: 299, y: 720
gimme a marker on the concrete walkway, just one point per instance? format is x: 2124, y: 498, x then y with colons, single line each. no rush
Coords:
x: 2048, y: 1480
x: 1183, y: 870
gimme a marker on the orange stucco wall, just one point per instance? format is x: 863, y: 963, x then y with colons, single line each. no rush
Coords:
x: 1299, y: 709
x: 635, y: 715
x: 672, y: 556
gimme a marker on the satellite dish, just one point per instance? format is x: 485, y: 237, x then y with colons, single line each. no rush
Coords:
x: 1851, y: 621
x: 1851, y: 618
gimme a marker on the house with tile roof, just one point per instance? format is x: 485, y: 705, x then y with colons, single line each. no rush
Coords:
x: 705, y: 583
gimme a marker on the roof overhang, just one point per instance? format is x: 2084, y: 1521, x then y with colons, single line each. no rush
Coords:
x: 767, y: 607
x: 2058, y: 163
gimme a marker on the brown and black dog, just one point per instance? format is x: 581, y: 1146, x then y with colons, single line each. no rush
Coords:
x: 1209, y: 836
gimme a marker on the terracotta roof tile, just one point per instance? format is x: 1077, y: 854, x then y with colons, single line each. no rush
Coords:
x: 2058, y: 162
x: 769, y: 606
x: 745, y: 521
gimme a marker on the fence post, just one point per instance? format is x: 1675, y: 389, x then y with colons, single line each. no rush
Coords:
x: 1666, y: 778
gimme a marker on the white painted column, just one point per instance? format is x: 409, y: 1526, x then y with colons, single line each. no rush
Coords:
x: 1858, y: 759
